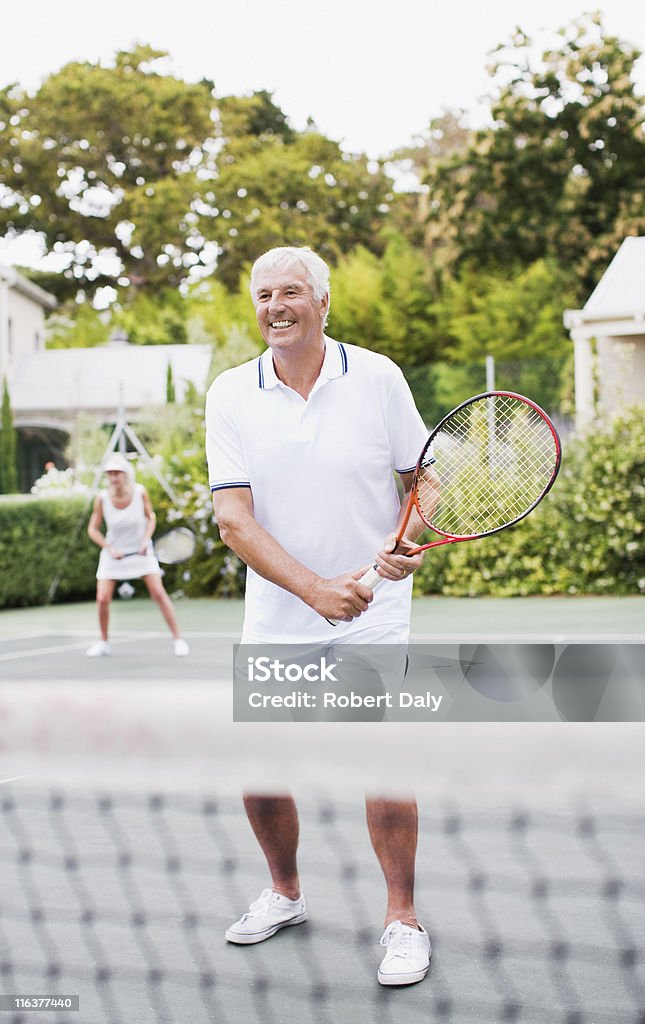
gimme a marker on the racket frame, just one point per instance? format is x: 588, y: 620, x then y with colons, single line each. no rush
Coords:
x: 176, y: 529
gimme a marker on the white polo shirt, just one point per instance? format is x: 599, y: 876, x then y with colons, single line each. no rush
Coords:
x: 321, y: 474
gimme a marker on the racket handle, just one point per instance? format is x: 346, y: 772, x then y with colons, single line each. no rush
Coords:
x: 371, y: 579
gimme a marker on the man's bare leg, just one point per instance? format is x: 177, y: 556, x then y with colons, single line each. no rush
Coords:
x: 274, y: 820
x: 393, y: 828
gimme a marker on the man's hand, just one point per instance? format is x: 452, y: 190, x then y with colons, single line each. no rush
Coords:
x: 342, y: 598
x: 399, y: 566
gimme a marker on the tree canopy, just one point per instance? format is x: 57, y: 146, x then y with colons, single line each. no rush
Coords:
x: 138, y: 179
x: 167, y: 191
x: 561, y: 171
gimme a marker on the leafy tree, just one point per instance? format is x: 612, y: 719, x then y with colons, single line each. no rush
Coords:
x: 109, y: 162
x: 446, y: 138
x: 136, y: 178
x: 8, y: 446
x: 385, y: 303
x: 148, y: 319
x: 77, y: 325
x: 273, y: 190
x: 517, y: 319
x: 561, y: 171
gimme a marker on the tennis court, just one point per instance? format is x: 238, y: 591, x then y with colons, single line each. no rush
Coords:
x: 126, y: 853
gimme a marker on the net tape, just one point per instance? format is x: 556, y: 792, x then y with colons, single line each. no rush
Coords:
x: 124, y: 898
x: 494, y: 459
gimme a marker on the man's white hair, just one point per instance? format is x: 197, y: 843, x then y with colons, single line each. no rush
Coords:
x: 315, y: 268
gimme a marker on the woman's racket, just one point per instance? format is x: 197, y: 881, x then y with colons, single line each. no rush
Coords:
x: 173, y: 547
x: 492, y: 460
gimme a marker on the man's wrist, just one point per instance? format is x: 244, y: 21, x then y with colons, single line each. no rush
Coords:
x: 308, y: 589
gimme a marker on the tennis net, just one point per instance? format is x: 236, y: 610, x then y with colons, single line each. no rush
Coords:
x: 117, y: 887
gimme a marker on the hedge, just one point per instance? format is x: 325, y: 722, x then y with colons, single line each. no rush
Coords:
x: 35, y: 534
x: 587, y: 536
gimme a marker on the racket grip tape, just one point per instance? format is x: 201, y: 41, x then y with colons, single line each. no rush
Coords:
x: 371, y: 579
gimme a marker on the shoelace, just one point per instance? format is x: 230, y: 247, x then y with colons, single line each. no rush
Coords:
x: 396, y: 937
x: 262, y: 904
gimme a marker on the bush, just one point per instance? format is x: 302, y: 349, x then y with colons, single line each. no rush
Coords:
x: 587, y: 536
x: 34, y: 537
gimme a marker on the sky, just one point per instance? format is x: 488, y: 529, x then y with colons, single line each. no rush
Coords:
x: 370, y: 74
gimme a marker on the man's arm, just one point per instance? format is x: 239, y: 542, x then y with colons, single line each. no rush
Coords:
x: 342, y: 598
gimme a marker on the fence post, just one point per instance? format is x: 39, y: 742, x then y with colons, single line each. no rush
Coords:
x: 490, y: 373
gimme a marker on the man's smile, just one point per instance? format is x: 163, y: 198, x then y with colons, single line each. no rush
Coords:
x: 280, y: 325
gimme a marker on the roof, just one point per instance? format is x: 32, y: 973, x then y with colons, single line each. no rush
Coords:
x: 91, y: 379
x: 621, y: 290
x: 27, y: 287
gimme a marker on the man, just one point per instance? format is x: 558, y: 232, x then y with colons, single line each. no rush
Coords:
x: 302, y: 444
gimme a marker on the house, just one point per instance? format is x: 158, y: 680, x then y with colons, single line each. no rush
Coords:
x: 50, y: 389
x: 22, y: 318
x: 609, y: 337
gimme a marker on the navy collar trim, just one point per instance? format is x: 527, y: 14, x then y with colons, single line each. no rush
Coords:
x: 342, y: 352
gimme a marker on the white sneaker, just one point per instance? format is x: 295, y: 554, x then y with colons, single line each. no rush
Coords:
x: 408, y: 955
x: 181, y: 649
x: 265, y: 917
x: 98, y: 650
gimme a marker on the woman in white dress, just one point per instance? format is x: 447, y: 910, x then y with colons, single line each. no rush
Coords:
x: 130, y: 523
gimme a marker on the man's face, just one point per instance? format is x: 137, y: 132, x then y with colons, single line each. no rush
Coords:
x: 288, y: 315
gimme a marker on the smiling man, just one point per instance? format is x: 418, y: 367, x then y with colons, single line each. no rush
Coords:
x: 303, y: 443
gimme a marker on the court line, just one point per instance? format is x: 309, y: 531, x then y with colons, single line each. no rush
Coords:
x: 39, y: 651
x: 195, y: 634
x: 25, y: 636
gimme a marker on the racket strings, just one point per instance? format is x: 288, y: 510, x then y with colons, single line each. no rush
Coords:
x: 495, y: 458
x: 177, y: 545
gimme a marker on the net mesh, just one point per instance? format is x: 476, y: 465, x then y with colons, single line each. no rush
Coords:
x: 123, y: 898
x: 494, y: 458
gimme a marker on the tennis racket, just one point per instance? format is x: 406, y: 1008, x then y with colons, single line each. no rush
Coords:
x: 486, y: 465
x: 173, y: 547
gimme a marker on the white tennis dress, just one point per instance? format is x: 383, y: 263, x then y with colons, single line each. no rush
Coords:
x: 125, y: 531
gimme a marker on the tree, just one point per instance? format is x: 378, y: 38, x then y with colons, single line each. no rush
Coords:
x: 517, y: 319
x: 446, y: 138
x: 107, y: 165
x: 137, y: 179
x: 385, y: 303
x: 8, y: 446
x: 562, y: 170
x: 170, y: 385
x: 274, y: 189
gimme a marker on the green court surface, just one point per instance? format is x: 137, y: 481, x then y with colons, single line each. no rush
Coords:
x: 436, y: 616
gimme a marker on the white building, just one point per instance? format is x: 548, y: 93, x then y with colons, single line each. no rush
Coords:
x: 22, y: 319
x: 49, y: 388
x: 609, y: 337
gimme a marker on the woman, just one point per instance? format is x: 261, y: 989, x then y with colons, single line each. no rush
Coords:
x: 130, y: 523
